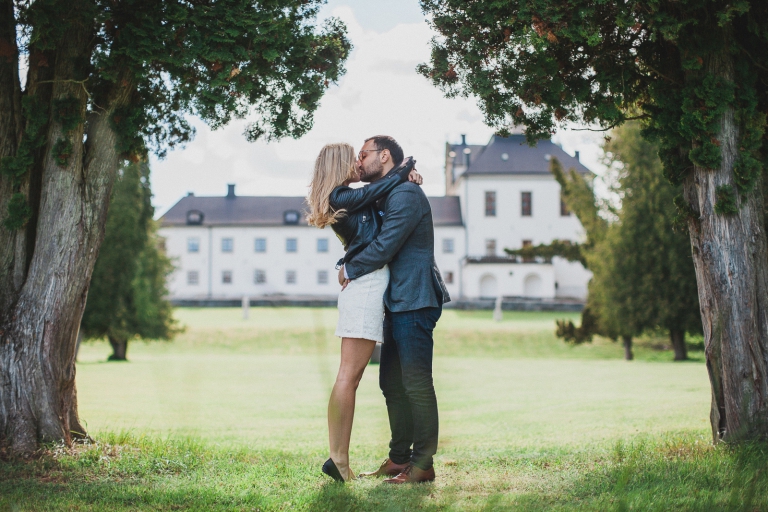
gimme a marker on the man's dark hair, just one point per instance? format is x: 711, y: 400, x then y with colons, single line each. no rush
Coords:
x: 387, y: 142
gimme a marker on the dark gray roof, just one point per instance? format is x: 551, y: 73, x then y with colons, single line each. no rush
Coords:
x: 446, y: 210
x: 270, y: 210
x: 235, y: 211
x: 521, y: 158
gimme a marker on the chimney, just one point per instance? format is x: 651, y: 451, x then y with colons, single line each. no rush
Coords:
x: 576, y: 155
x: 463, y: 139
x: 230, y: 191
x: 190, y: 194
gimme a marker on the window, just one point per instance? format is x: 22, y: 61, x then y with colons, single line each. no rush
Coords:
x: 564, y: 211
x: 227, y: 244
x: 259, y: 276
x: 490, y: 204
x: 449, y: 278
x: 260, y: 245
x: 526, y: 244
x: 322, y: 245
x: 193, y: 244
x: 291, y: 217
x: 194, y: 217
x: 226, y: 277
x: 291, y: 245
x: 193, y: 277
x: 290, y: 277
x: 322, y: 277
x: 526, y: 204
x: 447, y: 245
x: 490, y: 247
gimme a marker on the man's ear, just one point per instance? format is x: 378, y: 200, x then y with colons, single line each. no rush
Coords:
x: 385, y: 156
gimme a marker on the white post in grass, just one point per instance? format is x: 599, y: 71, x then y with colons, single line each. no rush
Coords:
x: 246, y: 306
x: 497, y: 309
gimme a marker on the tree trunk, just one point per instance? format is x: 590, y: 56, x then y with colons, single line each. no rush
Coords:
x: 677, y: 337
x: 119, y: 349
x: 40, y: 317
x: 731, y: 262
x: 627, y: 341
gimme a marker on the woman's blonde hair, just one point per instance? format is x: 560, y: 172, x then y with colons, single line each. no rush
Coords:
x: 334, y: 165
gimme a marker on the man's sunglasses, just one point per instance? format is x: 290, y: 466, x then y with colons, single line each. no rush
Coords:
x: 361, y: 156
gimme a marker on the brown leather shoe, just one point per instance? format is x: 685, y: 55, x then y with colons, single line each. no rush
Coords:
x: 387, y: 468
x: 412, y: 475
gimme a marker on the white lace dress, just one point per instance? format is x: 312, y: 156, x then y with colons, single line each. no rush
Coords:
x: 361, y: 307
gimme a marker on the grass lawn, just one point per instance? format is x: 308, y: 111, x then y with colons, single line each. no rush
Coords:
x: 231, y: 416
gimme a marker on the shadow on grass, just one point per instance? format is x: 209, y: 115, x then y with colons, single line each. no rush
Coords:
x: 116, y: 495
x: 680, y: 476
x: 654, y: 474
x: 343, y: 498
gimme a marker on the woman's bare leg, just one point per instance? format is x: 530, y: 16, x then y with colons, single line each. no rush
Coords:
x: 355, y: 354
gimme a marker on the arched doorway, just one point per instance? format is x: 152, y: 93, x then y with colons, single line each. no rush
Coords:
x: 532, y: 286
x: 488, y: 287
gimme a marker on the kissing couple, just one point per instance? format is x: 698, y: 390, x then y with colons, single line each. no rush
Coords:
x: 392, y: 292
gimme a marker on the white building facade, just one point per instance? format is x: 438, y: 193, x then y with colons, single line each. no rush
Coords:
x: 498, y: 196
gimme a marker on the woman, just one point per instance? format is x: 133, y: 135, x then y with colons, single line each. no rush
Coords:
x: 351, y: 213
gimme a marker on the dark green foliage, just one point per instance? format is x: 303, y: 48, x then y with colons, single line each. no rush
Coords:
x: 679, y: 66
x: 218, y: 60
x: 66, y: 111
x: 18, y: 212
x: 172, y: 59
x: 584, y: 332
x: 62, y: 150
x: 725, y: 198
x: 128, y: 289
x: 643, y: 270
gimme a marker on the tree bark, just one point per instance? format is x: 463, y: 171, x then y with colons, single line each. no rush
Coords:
x: 730, y: 258
x: 677, y: 337
x: 627, y: 341
x: 119, y: 349
x: 39, y: 323
x: 11, y: 127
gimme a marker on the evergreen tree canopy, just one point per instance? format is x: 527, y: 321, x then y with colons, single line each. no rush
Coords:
x: 643, y: 270
x: 127, y: 297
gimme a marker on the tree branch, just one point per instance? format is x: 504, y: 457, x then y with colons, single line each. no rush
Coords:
x: 611, y: 127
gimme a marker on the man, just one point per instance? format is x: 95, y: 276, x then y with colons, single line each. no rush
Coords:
x: 413, y: 303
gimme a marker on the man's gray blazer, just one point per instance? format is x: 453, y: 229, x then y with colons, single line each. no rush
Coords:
x: 407, y: 243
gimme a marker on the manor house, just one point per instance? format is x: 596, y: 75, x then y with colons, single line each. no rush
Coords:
x: 500, y: 195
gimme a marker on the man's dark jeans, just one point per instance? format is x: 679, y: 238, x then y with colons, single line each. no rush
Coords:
x: 405, y: 377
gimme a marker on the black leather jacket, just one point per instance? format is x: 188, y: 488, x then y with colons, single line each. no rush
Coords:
x: 362, y: 223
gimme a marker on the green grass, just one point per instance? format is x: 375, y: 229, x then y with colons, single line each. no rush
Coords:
x: 231, y: 416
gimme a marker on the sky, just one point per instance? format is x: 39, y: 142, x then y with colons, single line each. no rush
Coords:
x: 381, y: 93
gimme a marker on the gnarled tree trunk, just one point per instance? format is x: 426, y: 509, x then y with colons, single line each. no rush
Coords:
x: 730, y: 254
x: 46, y: 268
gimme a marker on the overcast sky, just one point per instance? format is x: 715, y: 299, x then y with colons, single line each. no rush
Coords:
x: 381, y: 93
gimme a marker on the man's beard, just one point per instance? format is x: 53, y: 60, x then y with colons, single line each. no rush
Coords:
x: 372, y: 172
